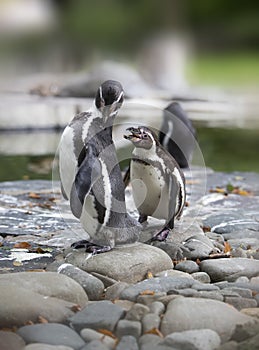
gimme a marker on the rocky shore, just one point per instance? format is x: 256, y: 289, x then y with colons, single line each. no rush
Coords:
x: 198, y: 290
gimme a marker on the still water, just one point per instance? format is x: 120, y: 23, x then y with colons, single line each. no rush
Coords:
x: 29, y: 155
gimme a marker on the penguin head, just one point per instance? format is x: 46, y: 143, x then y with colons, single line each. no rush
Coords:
x: 142, y: 137
x: 109, y: 98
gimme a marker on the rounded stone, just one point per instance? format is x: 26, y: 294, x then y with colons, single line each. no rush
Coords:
x: 11, y: 341
x: 188, y: 266
x: 202, y: 277
x: 128, y: 263
x: 127, y: 327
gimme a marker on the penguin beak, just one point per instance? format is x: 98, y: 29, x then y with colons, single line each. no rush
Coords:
x: 135, y: 135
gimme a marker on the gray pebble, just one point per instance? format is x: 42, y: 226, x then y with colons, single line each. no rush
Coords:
x: 150, y: 321
x: 11, y: 341
x: 202, y: 277
x: 188, y: 266
x: 186, y: 292
x: 149, y: 299
x: 173, y: 273
x: 51, y: 333
x: 241, y: 303
x: 157, y: 284
x: 137, y: 312
x: 95, y: 345
x: 89, y: 334
x: 230, y: 345
x: 102, y: 314
x: 175, y: 251
x: 127, y: 342
x: 157, y: 308
x: 126, y: 327
x: 210, y: 295
x: 245, y: 331
x: 41, y: 346
x: 199, y: 246
x: 114, y: 291
x: 93, y: 287
x: 107, y: 281
x: 200, y: 339
x: 243, y: 292
x: 204, y: 286
x: 148, y: 339
x: 242, y: 279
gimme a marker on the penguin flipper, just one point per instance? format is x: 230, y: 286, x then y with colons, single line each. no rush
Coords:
x: 88, y: 173
x: 126, y: 178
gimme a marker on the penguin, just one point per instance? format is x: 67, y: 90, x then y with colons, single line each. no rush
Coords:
x: 177, y: 134
x: 158, y: 183
x: 90, y: 174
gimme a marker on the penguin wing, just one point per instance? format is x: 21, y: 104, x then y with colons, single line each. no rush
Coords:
x: 88, y: 173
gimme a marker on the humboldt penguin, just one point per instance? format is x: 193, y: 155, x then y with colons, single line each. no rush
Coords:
x: 90, y: 174
x: 177, y: 134
x: 158, y: 184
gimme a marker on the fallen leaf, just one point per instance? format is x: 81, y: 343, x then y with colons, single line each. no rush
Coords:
x: 147, y: 292
x: 241, y: 192
x: 41, y: 319
x: 34, y: 195
x: 22, y: 245
x: 206, y: 228
x: 107, y: 332
x: 17, y: 263
x: 149, y: 274
x: 227, y: 247
x: 29, y: 323
x: 75, y: 308
x: 218, y: 190
x: 192, y: 182
x: 155, y: 331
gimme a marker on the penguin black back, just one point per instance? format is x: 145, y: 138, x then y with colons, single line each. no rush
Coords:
x: 177, y: 134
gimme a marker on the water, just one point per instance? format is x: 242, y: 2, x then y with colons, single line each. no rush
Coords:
x: 29, y: 155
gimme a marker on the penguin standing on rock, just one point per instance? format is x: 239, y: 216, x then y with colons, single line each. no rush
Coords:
x: 177, y: 134
x: 158, y: 184
x: 90, y: 174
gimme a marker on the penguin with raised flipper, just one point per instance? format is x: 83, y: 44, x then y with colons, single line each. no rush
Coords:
x: 177, y: 134
x: 158, y: 184
x: 90, y: 174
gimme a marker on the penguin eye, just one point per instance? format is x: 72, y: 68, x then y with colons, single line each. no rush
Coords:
x: 145, y: 136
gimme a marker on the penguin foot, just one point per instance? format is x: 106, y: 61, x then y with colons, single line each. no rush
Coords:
x: 161, y: 236
x: 90, y: 247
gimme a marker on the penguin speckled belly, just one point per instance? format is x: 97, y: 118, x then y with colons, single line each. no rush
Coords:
x: 177, y: 134
x: 158, y: 184
x: 90, y: 174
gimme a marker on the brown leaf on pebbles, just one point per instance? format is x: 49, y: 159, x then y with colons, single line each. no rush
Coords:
x: 149, y: 274
x: 155, y: 331
x: 107, y: 332
x: 76, y: 308
x: 22, y: 245
x: 17, y: 263
x: 147, y: 292
x: 34, y: 195
x: 41, y: 319
x: 227, y: 247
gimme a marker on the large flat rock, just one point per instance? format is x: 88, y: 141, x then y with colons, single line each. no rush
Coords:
x: 129, y: 263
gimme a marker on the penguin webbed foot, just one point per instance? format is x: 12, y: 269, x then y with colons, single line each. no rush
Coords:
x: 90, y: 247
x: 161, y: 236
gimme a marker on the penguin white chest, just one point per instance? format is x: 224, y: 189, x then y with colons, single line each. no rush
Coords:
x: 150, y: 191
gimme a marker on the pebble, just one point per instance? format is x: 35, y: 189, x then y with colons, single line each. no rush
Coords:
x: 157, y: 308
x: 240, y: 303
x: 93, y: 287
x: 11, y: 341
x: 181, y: 314
x: 194, y: 340
x: 202, y: 277
x: 127, y: 342
x: 51, y: 333
x: 98, y: 315
x: 114, y: 291
x: 198, y: 247
x: 40, y: 346
x: 94, y: 345
x: 150, y: 321
x: 188, y: 266
x: 89, y: 334
x: 138, y: 259
x: 127, y: 327
x: 230, y: 269
x: 157, y: 284
x: 45, y: 294
x: 251, y: 312
x: 137, y: 312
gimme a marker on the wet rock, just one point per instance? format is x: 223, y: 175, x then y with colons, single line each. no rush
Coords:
x: 230, y: 269
x: 181, y: 314
x: 51, y: 333
x: 93, y: 287
x: 127, y: 342
x: 126, y: 327
x: 26, y: 296
x: 11, y: 341
x: 194, y: 340
x: 89, y: 334
x: 137, y: 259
x: 102, y: 314
x: 157, y: 284
x: 188, y: 266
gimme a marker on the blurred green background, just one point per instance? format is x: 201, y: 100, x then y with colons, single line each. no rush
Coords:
x: 64, y: 36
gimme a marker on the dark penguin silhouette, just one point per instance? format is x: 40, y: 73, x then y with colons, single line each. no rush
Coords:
x: 90, y: 174
x: 177, y: 134
x: 158, y: 184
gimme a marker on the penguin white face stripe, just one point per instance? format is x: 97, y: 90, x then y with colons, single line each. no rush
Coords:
x: 168, y: 134
x: 118, y: 99
x: 107, y: 193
